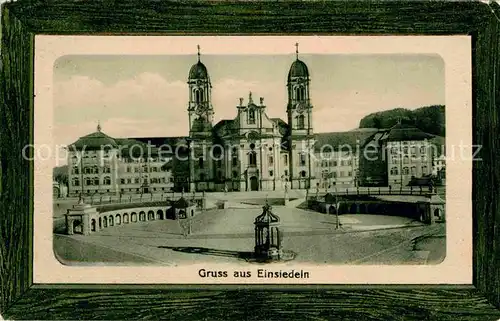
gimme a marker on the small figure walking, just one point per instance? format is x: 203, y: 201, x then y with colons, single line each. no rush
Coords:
x: 225, y: 189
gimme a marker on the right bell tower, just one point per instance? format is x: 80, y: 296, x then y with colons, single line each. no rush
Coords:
x: 299, y: 111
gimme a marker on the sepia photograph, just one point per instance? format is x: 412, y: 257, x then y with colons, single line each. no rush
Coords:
x: 295, y: 157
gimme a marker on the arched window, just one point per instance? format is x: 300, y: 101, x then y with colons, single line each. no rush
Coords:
x: 86, y: 170
x: 88, y: 181
x: 235, y: 174
x: 96, y: 180
x: 75, y: 170
x: 413, y: 171
x: 422, y: 150
x: 394, y: 171
x: 202, y: 177
x: 252, y: 158
x: 200, y: 162
x: 76, y: 182
x: 424, y: 170
x: 406, y: 160
x: 107, y: 180
x: 199, y: 95
x: 300, y: 122
x: 405, y: 171
x: 251, y: 116
x: 95, y: 170
x: 303, y: 173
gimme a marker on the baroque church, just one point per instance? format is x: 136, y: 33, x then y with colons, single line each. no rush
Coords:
x: 251, y: 151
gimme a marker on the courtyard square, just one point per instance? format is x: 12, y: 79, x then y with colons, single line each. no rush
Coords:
x: 227, y: 236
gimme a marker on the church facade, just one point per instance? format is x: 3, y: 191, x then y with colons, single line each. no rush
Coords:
x: 251, y: 151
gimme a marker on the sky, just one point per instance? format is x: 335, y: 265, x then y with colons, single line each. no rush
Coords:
x: 147, y: 96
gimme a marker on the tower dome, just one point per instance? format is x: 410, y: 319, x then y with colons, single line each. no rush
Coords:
x: 298, y: 69
x: 198, y: 71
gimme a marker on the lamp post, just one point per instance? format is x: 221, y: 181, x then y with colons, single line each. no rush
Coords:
x: 331, y: 199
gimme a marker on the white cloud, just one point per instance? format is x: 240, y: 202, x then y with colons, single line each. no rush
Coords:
x: 146, y: 96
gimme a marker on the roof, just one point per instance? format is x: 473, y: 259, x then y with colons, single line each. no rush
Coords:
x: 182, y: 203
x: 95, y: 141
x: 224, y: 124
x: 298, y: 69
x: 159, y: 141
x: 339, y: 140
x: 403, y: 132
x: 164, y: 145
x: 198, y: 71
x: 267, y: 217
x: 282, y: 125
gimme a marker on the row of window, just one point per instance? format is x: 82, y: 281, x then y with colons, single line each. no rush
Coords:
x: 327, y: 174
x: 236, y: 174
x: 332, y: 163
x: 145, y: 169
x: 408, y: 150
x: 409, y: 171
x: 92, y: 181
x: 97, y: 170
x: 92, y: 170
x: 406, y: 159
x: 95, y: 181
x: 74, y: 159
x: 153, y: 180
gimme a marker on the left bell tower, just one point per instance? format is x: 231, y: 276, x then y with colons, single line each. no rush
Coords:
x: 200, y: 107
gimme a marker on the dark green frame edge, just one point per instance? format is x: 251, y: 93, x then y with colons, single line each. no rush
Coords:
x: 20, y: 299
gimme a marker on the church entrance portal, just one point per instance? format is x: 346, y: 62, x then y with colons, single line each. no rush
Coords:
x: 254, y: 183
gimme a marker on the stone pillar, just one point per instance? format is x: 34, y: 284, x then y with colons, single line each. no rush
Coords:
x: 86, y: 228
x: 83, y: 212
x: 69, y: 225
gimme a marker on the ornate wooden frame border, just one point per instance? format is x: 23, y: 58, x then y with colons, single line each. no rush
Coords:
x: 21, y: 299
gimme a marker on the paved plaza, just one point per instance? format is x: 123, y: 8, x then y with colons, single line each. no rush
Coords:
x: 227, y: 235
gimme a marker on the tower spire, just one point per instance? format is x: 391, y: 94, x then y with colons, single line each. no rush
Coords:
x: 297, y: 50
x: 99, y: 126
x: 250, y: 100
x: 198, y: 53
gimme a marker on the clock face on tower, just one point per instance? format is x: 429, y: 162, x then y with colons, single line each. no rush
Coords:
x: 300, y: 108
x: 200, y: 109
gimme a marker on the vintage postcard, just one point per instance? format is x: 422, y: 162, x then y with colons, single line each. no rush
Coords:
x: 263, y: 159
